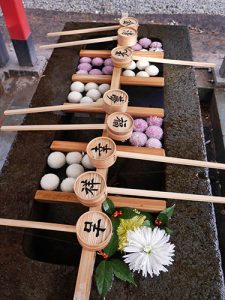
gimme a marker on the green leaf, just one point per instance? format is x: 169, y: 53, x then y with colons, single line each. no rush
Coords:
x: 128, y: 213
x: 112, y: 246
x: 169, y: 211
x: 147, y: 223
x: 108, y: 206
x: 168, y: 230
x: 121, y: 271
x: 115, y: 223
x: 104, y: 277
x: 163, y: 218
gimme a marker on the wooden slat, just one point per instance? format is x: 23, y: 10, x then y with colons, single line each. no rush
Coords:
x: 66, y: 146
x: 150, y: 205
x: 107, y: 53
x: 134, y: 111
x: 115, y: 82
x: 124, y: 80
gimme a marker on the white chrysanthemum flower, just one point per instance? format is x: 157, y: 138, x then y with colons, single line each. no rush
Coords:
x: 149, y: 251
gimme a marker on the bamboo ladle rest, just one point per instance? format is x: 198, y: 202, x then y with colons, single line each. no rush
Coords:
x: 119, y: 126
x: 86, y: 234
x: 91, y: 190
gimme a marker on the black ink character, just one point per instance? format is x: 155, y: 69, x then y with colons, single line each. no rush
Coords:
x: 90, y: 226
x: 127, y: 32
x: 89, y: 186
x: 119, y: 122
x: 99, y: 148
x: 122, y: 53
x: 116, y: 99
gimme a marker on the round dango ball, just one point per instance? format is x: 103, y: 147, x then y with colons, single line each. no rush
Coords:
x: 153, y: 143
x: 154, y: 132
x: 97, y: 61
x: 138, y: 139
x: 145, y: 42
x: 152, y: 70
x: 85, y: 60
x: 142, y: 64
x: 107, y: 70
x: 74, y: 97
x: 90, y: 85
x: 144, y: 50
x: 108, y: 62
x: 137, y: 47
x: 74, y: 170
x: 95, y: 72
x: 154, y: 121
x: 82, y: 72
x: 67, y: 184
x: 132, y: 66
x: 103, y: 88
x: 156, y: 45
x: 86, y: 100
x: 77, y: 86
x: 56, y: 160
x: 140, y: 125
x: 84, y: 66
x: 86, y: 163
x: 142, y: 74
x: 128, y: 73
x: 73, y: 157
x: 49, y: 182
x: 94, y: 94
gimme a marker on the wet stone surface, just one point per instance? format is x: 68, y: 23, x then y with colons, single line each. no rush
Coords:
x: 196, y: 273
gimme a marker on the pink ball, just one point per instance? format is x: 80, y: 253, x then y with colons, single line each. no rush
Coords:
x: 84, y: 66
x: 145, y: 42
x: 97, y: 61
x: 154, y: 121
x: 138, y: 139
x: 154, y: 132
x: 136, y: 47
x: 108, y: 62
x: 140, y: 125
x: 107, y: 70
x: 156, y: 45
x: 95, y: 72
x: 85, y: 60
x: 81, y: 72
x: 153, y: 143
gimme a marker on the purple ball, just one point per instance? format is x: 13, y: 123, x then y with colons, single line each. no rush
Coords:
x: 145, y: 42
x: 107, y: 70
x: 140, y: 125
x: 95, y: 72
x: 156, y: 45
x: 153, y: 143
x: 154, y: 121
x: 154, y: 132
x: 137, y: 47
x: 97, y: 61
x: 138, y: 139
x: 82, y: 72
x: 108, y: 62
x: 84, y: 66
x: 85, y: 60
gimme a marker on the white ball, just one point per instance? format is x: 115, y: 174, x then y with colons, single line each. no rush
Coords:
x: 104, y: 88
x: 90, y: 85
x: 86, y: 100
x: 56, y: 160
x: 73, y: 157
x: 152, y: 70
x: 128, y: 73
x: 142, y: 64
x: 142, y: 74
x: 74, y: 97
x: 74, y: 170
x: 49, y: 182
x: 132, y: 66
x: 94, y: 94
x: 67, y: 184
x: 77, y: 86
x: 143, y: 50
x: 86, y: 163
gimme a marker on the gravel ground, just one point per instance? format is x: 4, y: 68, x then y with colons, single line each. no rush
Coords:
x: 211, y: 7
